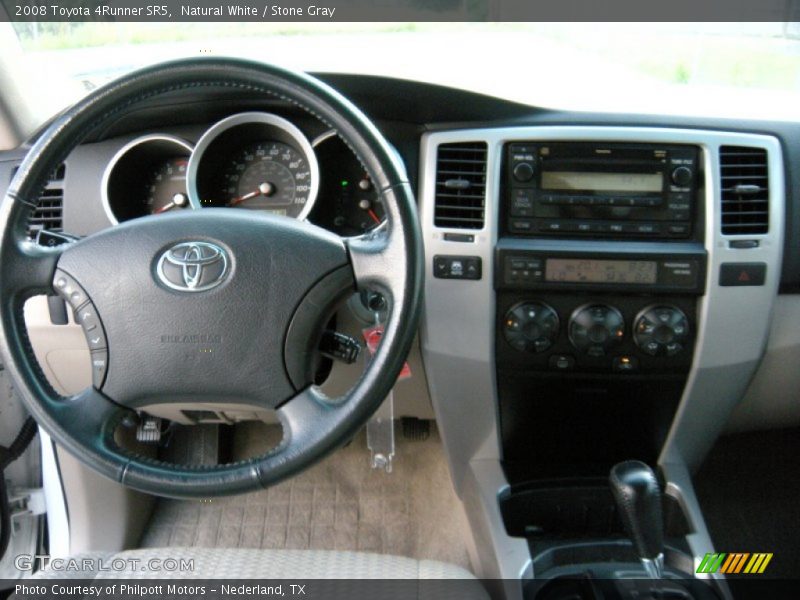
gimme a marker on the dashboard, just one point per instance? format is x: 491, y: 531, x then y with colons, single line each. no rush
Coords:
x: 598, y: 286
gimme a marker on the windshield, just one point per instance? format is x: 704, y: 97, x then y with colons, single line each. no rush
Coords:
x: 684, y: 68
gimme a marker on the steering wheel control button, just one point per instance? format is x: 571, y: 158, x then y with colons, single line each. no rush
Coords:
x: 661, y: 330
x: 531, y: 327
x: 457, y: 267
x: 595, y: 329
x: 193, y: 266
x: 85, y: 313
x: 742, y: 274
x: 69, y: 289
x: 99, y: 367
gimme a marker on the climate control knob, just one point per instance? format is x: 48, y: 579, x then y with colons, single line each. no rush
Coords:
x: 661, y: 330
x: 531, y: 327
x: 596, y: 328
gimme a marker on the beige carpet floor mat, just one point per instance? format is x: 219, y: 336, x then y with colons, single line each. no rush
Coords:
x: 339, y: 504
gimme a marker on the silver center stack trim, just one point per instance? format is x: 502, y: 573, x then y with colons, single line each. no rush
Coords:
x: 457, y: 331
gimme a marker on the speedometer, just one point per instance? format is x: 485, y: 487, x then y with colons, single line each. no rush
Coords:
x: 257, y: 161
x: 270, y: 176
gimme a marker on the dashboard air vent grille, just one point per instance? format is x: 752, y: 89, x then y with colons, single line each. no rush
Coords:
x: 745, y: 190
x: 48, y: 213
x: 460, y: 185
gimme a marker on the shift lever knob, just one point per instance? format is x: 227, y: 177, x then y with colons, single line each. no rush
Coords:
x: 638, y: 497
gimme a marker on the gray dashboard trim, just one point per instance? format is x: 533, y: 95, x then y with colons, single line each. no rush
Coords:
x: 457, y: 330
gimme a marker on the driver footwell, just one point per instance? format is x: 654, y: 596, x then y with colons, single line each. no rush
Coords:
x: 339, y: 504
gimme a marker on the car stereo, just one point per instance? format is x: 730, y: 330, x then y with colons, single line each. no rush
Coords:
x: 600, y: 189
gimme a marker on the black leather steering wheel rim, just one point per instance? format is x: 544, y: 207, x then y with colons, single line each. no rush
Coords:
x: 389, y: 259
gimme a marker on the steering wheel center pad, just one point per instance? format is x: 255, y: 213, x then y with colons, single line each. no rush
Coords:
x: 168, y: 342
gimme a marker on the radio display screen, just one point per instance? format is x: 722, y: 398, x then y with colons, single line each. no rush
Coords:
x: 602, y: 182
x: 576, y: 270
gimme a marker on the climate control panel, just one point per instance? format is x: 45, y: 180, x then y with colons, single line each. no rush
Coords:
x: 617, y: 334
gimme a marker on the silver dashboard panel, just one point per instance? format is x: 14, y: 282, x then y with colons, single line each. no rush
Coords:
x: 457, y: 330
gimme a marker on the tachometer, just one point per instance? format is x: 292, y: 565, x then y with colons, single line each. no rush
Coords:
x: 167, y: 187
x: 146, y: 176
x: 270, y: 176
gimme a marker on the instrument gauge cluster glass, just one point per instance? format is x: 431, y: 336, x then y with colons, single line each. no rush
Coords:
x: 249, y: 161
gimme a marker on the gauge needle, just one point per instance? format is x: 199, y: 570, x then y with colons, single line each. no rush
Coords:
x: 367, y: 206
x: 265, y: 189
x: 178, y: 201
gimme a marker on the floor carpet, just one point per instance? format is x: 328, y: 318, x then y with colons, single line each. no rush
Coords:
x: 339, y: 504
x: 749, y: 490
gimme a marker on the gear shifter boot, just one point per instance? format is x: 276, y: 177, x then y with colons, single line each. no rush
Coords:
x: 638, y: 497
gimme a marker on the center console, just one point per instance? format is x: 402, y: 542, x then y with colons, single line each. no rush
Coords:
x: 589, y: 302
x: 598, y: 263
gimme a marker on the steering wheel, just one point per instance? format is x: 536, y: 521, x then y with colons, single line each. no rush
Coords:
x: 249, y: 298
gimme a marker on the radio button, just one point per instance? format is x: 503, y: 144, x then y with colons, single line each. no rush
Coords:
x: 521, y: 225
x: 679, y: 229
x: 523, y: 172
x: 643, y: 228
x: 533, y: 264
x: 552, y: 226
x: 682, y: 176
x: 522, y: 204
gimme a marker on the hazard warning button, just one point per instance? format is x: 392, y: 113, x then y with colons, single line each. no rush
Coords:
x: 737, y: 274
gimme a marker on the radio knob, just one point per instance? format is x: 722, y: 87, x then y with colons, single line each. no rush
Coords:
x: 523, y: 172
x: 682, y: 176
x: 596, y: 329
x: 661, y: 330
x: 531, y: 327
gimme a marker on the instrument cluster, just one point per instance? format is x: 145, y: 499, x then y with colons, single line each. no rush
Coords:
x: 249, y: 161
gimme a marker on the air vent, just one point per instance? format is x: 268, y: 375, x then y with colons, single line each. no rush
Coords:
x: 460, y: 185
x: 745, y: 190
x: 49, y: 208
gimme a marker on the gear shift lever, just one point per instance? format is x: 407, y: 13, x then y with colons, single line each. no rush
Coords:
x: 638, y: 497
